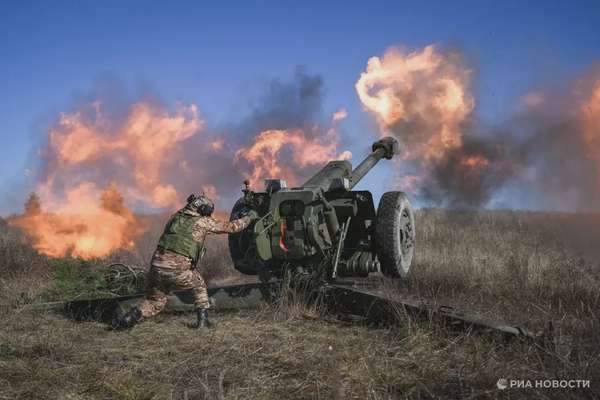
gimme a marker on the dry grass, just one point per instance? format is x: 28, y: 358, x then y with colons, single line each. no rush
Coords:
x: 523, y: 267
x: 24, y: 274
x: 526, y: 268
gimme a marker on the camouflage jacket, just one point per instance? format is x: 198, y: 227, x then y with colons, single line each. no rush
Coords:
x: 204, y: 226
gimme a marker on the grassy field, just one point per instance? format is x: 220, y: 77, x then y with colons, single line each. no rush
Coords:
x: 525, y: 268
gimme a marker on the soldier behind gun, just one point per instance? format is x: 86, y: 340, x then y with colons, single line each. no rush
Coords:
x: 173, y: 265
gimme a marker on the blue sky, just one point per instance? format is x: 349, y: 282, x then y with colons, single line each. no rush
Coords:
x: 217, y: 54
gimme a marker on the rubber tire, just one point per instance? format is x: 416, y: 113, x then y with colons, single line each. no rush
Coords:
x: 395, y: 234
x: 240, y: 242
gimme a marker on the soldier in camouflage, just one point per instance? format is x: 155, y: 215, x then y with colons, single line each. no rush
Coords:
x: 173, y: 265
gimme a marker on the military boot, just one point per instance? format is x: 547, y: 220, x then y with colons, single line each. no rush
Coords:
x: 202, y: 321
x: 127, y: 320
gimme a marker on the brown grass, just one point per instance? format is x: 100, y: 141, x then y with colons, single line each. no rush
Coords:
x: 523, y: 267
x: 526, y: 268
x: 24, y: 274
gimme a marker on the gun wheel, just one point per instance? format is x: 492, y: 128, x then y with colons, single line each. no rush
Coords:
x: 395, y: 234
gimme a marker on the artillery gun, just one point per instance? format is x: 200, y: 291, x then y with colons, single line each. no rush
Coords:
x: 325, y: 227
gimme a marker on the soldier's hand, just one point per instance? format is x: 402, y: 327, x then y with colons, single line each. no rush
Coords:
x: 252, y: 215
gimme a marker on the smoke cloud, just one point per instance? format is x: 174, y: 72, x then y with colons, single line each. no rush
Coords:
x: 110, y: 155
x: 289, y: 134
x: 562, y: 146
x: 549, y: 151
x: 105, y: 158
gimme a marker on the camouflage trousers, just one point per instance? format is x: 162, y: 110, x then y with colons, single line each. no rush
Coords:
x: 162, y: 280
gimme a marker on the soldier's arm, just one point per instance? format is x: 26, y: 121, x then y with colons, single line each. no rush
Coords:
x: 213, y: 225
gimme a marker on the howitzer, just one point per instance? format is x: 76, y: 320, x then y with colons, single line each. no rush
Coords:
x: 326, y: 227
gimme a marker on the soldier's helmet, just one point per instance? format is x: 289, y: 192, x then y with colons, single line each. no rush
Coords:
x: 201, y: 203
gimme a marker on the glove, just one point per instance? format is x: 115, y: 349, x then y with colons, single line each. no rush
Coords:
x: 252, y: 215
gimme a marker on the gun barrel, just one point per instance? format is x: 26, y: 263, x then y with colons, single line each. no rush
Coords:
x: 333, y: 170
x: 384, y: 148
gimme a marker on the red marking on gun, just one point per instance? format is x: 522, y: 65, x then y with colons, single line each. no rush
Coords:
x: 282, y: 228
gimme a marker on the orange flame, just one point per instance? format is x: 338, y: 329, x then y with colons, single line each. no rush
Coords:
x: 142, y: 143
x: 474, y: 162
x: 77, y: 213
x: 425, y: 94
x: 89, y: 224
x: 268, y: 158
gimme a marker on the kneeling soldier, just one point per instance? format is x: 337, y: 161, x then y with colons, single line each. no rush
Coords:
x: 173, y: 265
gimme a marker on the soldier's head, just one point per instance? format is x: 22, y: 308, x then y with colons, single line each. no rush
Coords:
x: 200, y: 203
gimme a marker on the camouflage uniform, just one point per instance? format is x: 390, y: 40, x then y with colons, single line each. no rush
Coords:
x: 172, y: 271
